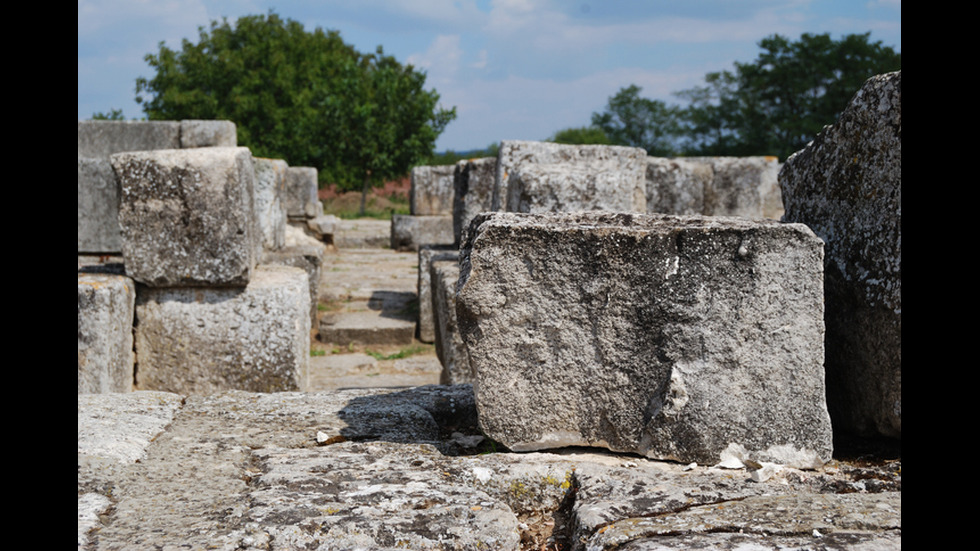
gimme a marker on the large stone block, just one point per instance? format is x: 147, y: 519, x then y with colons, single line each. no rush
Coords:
x: 106, y: 305
x: 200, y: 341
x: 270, y: 186
x: 301, y: 251
x: 432, y: 190
x: 847, y: 186
x: 206, y: 133
x: 674, y: 337
x: 742, y: 186
x: 549, y: 177
x: 301, y: 193
x: 103, y: 138
x: 98, y: 207
x: 187, y: 216
x: 473, y: 182
x: 427, y: 255
x: 409, y: 233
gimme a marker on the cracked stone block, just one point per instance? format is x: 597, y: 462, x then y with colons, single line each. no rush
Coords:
x: 202, y: 340
x: 270, y: 186
x: 187, y: 216
x: 846, y: 185
x: 106, y: 305
x: 98, y: 207
x: 451, y: 350
x: 674, y: 337
x: 549, y: 177
x: 301, y: 193
x: 431, y: 192
x: 473, y: 183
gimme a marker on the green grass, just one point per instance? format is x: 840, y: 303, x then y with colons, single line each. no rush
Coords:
x: 348, y: 205
x: 318, y: 352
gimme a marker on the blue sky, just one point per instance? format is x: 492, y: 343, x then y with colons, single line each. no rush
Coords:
x: 514, y: 69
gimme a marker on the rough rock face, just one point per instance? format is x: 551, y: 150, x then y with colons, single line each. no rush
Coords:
x: 106, y: 304
x: 847, y: 186
x: 473, y: 183
x: 187, y: 216
x: 683, y: 338
x: 270, y: 185
x: 98, y: 207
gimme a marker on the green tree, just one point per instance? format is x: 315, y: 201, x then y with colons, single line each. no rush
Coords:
x: 112, y: 115
x: 776, y: 104
x: 306, y: 97
x: 585, y: 135
x: 639, y: 122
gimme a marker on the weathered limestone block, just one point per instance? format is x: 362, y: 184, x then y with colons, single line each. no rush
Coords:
x: 576, y: 177
x: 301, y: 193
x: 324, y: 228
x: 199, y: 341
x: 847, y: 186
x: 427, y: 255
x: 301, y: 251
x: 675, y: 337
x: 270, y: 185
x: 98, y: 207
x: 409, y: 233
x: 106, y: 305
x: 473, y: 182
x: 742, y: 186
x: 205, y: 133
x: 432, y: 190
x: 103, y: 138
x: 456, y: 367
x: 187, y: 216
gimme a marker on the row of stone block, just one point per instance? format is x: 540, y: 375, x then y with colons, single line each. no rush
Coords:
x: 194, y: 340
x: 547, y: 177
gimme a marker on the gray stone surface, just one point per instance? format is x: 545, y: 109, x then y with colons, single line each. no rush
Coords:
x: 324, y: 228
x: 301, y: 251
x: 98, y: 207
x: 187, y: 216
x: 206, y: 133
x: 473, y: 183
x: 203, y: 340
x: 847, y: 186
x: 301, y: 193
x: 428, y: 254
x: 106, y: 306
x: 409, y: 233
x: 677, y: 186
x: 456, y: 367
x: 680, y: 338
x: 591, y: 172
x: 742, y: 186
x: 431, y: 192
x: 103, y: 138
x: 270, y: 186
x: 382, y: 469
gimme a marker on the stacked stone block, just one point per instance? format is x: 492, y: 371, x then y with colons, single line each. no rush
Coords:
x: 427, y: 255
x: 431, y: 207
x: 270, y: 207
x: 847, y: 186
x: 681, y: 338
x: 450, y: 348
x: 714, y: 186
x: 473, y: 183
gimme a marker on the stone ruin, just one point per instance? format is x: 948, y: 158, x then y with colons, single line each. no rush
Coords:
x: 190, y: 261
x: 592, y: 296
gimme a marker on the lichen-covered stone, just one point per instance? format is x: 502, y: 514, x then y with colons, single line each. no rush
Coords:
x: 456, y: 368
x: 301, y: 193
x: 674, y: 337
x: 473, y: 182
x: 208, y: 133
x: 846, y: 185
x: 98, y: 207
x: 202, y: 340
x: 270, y: 186
x: 187, y: 216
x: 100, y: 139
x: 409, y: 232
x: 427, y: 255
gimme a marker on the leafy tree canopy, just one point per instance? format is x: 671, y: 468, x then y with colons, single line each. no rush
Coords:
x: 772, y: 106
x: 585, y: 135
x: 112, y: 115
x: 306, y: 97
